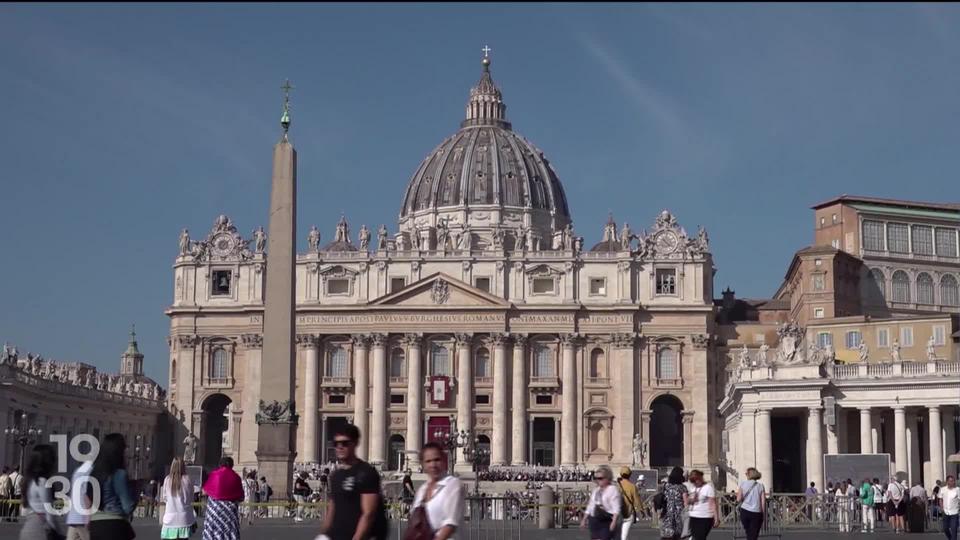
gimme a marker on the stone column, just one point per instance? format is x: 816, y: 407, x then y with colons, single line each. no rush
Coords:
x: 833, y: 442
x: 311, y: 405
x: 764, y: 447
x: 414, y: 438
x: 361, y: 375
x: 866, y: 426
x: 626, y: 396
x: 464, y: 392
x: 378, y: 401
x: 814, y: 448
x: 688, y: 439
x: 949, y: 430
x: 518, y: 454
x: 645, y: 434
x: 936, y: 447
x: 568, y: 417
x: 748, y: 440
x: 900, y: 439
x: 498, y: 447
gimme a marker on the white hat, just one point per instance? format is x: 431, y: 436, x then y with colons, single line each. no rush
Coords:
x: 640, y: 477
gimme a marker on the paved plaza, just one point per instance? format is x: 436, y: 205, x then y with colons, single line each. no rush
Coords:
x: 308, y: 531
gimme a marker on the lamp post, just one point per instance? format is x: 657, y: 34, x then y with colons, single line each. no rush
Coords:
x: 450, y: 440
x: 23, y: 435
x: 475, y: 456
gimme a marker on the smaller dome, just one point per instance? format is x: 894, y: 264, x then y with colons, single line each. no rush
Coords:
x: 340, y: 246
x: 609, y: 243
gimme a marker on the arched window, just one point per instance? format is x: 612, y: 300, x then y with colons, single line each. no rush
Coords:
x: 337, y: 366
x: 924, y: 289
x: 397, y: 365
x: 218, y: 365
x: 543, y: 361
x: 877, y: 286
x: 598, y: 368
x: 482, y: 363
x: 439, y: 360
x: 949, y: 295
x: 901, y: 287
x: 666, y: 363
x: 173, y: 367
x: 596, y: 437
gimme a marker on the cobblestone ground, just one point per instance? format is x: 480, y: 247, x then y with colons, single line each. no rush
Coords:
x: 287, y: 530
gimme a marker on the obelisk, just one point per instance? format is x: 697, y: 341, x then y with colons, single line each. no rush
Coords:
x: 277, y: 416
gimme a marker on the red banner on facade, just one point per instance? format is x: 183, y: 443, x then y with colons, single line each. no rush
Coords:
x: 439, y: 389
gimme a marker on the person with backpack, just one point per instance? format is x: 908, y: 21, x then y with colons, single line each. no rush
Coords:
x: 896, y: 505
x: 356, y: 510
x: 671, y: 514
x: 629, y: 501
x: 603, y: 510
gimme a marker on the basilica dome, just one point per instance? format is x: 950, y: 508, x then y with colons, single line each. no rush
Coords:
x: 485, y: 175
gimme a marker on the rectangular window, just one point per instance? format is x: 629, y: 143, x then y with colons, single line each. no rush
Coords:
x: 396, y: 399
x: 221, y: 282
x: 883, y: 338
x: 822, y: 221
x: 543, y: 285
x: 397, y: 283
x: 337, y: 400
x: 922, y: 237
x: 939, y: 336
x: 598, y: 286
x: 819, y: 282
x: 482, y: 399
x: 834, y: 218
x: 946, y: 242
x: 666, y: 281
x: 818, y: 262
x: 544, y: 400
x: 818, y: 313
x: 482, y: 283
x: 338, y: 286
x: 824, y: 339
x: 906, y: 336
x: 898, y: 238
x: 853, y: 339
x: 835, y: 244
x: 873, y: 235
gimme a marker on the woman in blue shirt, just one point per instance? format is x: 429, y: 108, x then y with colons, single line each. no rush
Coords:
x: 111, y: 521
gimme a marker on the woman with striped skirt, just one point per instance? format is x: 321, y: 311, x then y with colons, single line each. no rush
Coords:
x: 224, y: 491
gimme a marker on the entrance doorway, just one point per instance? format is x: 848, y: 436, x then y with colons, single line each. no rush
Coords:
x: 213, y: 427
x: 397, y: 457
x: 334, y: 423
x: 666, y: 432
x: 544, y: 442
x: 438, y: 427
x: 788, y: 454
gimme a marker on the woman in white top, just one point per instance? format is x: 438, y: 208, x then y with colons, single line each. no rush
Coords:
x: 179, y: 519
x: 843, y: 506
x: 702, y: 502
x: 603, y: 510
x: 753, y: 503
x: 37, y: 521
x: 441, y: 500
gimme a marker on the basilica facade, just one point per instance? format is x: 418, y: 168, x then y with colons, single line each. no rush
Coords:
x: 482, y: 311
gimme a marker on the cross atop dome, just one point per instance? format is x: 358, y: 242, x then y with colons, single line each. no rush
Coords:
x: 485, y: 106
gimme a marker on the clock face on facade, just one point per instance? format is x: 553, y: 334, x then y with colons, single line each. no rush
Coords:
x: 222, y: 245
x: 667, y: 241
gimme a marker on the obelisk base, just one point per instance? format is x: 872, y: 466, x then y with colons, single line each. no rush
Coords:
x: 275, y: 459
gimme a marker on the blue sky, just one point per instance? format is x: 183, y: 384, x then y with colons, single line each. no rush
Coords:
x: 123, y: 124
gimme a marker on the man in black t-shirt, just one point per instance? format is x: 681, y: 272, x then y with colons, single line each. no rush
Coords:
x: 355, y: 510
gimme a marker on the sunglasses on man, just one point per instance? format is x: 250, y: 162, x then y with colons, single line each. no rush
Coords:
x: 342, y: 443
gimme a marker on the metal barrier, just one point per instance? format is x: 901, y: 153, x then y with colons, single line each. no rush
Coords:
x: 485, y: 518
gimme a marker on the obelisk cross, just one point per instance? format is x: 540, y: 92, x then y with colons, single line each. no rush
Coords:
x: 285, y: 119
x: 486, y: 51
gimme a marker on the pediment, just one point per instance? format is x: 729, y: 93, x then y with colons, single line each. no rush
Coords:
x: 440, y: 290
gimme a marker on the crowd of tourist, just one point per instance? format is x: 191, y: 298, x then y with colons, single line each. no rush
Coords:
x: 536, y: 474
